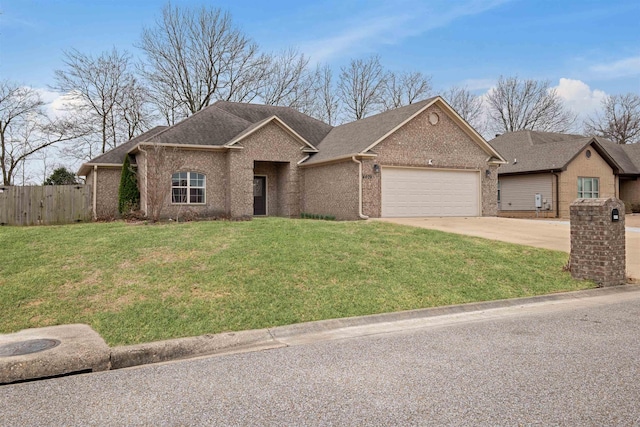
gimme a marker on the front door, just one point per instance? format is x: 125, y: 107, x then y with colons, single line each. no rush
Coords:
x: 259, y: 195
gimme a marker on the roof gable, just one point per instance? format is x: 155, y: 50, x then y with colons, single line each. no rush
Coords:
x: 532, y: 151
x: 361, y: 136
x: 309, y: 129
x: 273, y: 119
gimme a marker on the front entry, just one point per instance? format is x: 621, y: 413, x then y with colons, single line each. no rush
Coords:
x: 260, y: 195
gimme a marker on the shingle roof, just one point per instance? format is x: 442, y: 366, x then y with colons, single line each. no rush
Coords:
x: 633, y: 153
x: 116, y: 156
x: 532, y: 151
x: 209, y: 126
x: 352, y: 138
x: 310, y: 129
x: 627, y: 156
x: 220, y: 123
x: 225, y: 121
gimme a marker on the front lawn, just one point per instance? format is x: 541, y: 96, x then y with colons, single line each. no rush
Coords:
x: 140, y: 283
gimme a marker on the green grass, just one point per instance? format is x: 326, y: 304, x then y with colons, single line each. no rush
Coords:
x: 140, y: 283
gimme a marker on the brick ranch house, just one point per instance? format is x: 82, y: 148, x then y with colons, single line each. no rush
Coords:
x: 246, y: 159
x: 562, y: 168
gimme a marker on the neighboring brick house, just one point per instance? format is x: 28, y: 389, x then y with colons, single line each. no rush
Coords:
x: 561, y: 168
x: 246, y: 159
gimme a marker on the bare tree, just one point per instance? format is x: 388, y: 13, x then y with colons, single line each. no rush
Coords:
x: 360, y: 87
x: 286, y: 81
x: 104, y: 93
x: 404, y: 89
x: 24, y: 128
x: 161, y: 162
x: 197, y: 56
x: 167, y: 105
x: 516, y: 104
x: 620, y: 119
x: 326, y: 102
x: 135, y: 114
x: 466, y: 104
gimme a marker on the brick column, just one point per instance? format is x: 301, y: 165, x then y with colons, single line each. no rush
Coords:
x: 597, y: 241
x: 239, y: 185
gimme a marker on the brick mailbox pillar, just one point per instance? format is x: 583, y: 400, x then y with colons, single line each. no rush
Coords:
x: 598, y: 241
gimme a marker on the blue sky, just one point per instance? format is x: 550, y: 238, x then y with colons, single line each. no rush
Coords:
x: 593, y: 46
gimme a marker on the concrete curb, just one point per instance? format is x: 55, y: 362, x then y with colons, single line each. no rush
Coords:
x: 290, y: 331
x: 182, y: 348
x: 83, y: 350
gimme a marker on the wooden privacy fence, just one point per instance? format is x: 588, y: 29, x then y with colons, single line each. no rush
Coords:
x: 47, y: 204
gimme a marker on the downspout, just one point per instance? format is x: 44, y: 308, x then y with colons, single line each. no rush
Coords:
x: 146, y: 194
x: 557, y: 194
x: 360, y: 214
x: 95, y: 191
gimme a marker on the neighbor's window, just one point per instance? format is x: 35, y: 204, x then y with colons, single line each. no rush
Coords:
x: 588, y: 188
x: 187, y: 188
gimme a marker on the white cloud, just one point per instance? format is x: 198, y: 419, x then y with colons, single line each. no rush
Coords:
x: 626, y: 67
x: 579, y: 97
x: 390, y: 24
x: 54, y: 102
x: 323, y: 49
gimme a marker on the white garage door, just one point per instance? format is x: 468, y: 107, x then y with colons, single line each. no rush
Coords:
x: 408, y: 192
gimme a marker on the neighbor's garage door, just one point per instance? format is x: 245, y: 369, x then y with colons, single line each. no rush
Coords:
x: 408, y: 192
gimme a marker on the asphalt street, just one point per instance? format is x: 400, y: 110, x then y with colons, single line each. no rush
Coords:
x: 557, y: 363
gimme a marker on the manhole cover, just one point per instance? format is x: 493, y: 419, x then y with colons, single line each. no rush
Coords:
x: 27, y: 347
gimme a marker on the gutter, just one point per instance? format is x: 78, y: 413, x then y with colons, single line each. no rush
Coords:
x: 360, y: 214
x: 146, y: 174
x: 338, y: 159
x: 182, y: 146
x: 557, y: 194
x: 95, y: 191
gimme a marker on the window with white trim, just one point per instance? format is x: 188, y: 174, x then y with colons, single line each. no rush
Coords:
x: 588, y: 188
x: 188, y: 188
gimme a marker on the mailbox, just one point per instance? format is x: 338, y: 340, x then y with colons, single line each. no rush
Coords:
x: 615, y: 215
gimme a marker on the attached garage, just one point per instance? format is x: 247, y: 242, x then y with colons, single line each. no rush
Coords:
x: 415, y: 192
x: 518, y: 192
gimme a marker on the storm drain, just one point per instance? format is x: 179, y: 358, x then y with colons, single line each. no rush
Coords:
x: 27, y: 347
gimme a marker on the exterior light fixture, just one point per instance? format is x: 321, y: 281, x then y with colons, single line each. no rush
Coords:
x: 376, y: 168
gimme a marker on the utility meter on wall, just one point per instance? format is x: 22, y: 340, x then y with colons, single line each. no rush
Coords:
x: 538, y: 200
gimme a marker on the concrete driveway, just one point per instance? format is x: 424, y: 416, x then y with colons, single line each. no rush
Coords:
x: 547, y: 234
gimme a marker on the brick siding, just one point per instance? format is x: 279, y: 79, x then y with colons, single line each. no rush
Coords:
x: 107, y: 185
x: 332, y: 189
x: 630, y: 191
x: 269, y: 144
x: 445, y: 143
x: 598, y: 243
x: 581, y: 166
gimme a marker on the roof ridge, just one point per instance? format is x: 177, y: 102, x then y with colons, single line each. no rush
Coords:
x: 186, y: 119
x: 528, y: 132
x: 392, y: 110
x: 265, y: 106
